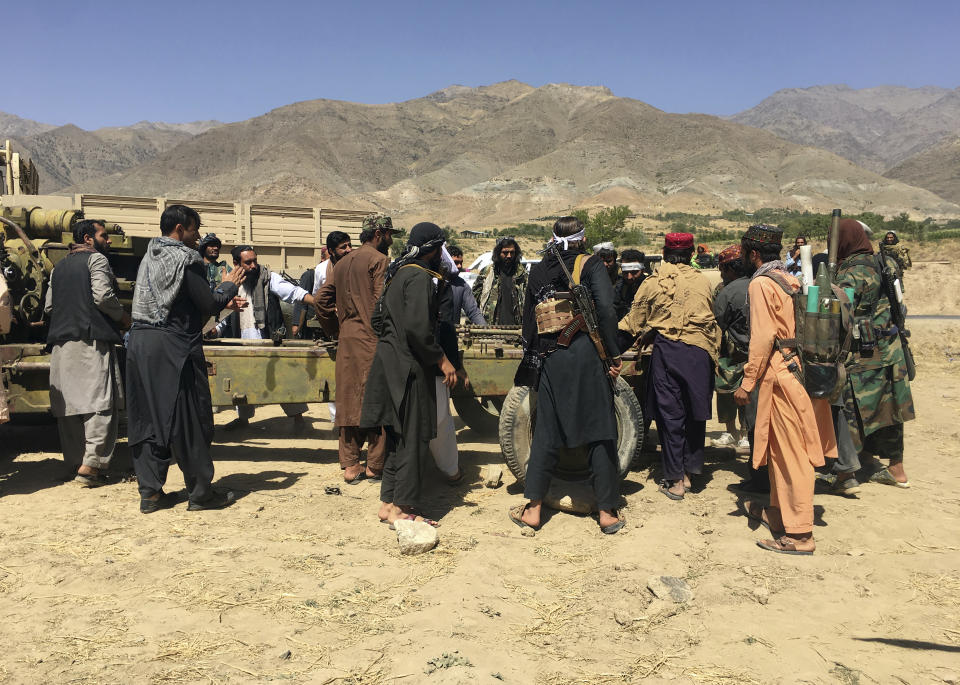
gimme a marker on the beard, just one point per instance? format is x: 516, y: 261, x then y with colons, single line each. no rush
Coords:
x: 383, y: 249
x: 251, y: 278
x: 436, y: 264
x: 506, y: 266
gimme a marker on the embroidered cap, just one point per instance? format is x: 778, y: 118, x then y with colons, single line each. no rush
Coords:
x: 729, y: 254
x: 678, y: 241
x: 764, y: 233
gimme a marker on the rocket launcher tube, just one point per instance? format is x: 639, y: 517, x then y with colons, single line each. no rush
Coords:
x: 834, y: 243
x: 806, y: 266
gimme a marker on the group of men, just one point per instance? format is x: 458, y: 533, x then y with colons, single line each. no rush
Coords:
x: 397, y: 353
x: 740, y: 339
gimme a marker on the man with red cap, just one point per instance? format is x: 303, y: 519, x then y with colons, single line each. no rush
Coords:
x: 674, y: 305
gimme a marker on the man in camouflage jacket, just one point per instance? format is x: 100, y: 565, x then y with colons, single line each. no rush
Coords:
x: 877, y: 397
x: 500, y: 287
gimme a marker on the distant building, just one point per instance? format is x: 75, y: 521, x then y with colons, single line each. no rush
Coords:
x: 474, y: 234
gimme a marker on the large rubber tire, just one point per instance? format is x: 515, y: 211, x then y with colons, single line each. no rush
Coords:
x: 482, y: 414
x: 518, y: 417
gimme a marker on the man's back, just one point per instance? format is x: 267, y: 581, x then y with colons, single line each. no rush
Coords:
x: 358, y: 280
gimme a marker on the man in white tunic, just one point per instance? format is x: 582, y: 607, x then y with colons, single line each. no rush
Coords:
x: 260, y: 319
x: 85, y: 389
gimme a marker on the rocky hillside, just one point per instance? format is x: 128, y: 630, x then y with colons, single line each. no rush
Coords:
x: 500, y: 153
x: 71, y: 156
x: 12, y: 126
x: 877, y: 128
x: 937, y: 169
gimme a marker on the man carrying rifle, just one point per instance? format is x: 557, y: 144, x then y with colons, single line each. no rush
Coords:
x: 676, y: 303
x: 878, y: 398
x: 575, y: 400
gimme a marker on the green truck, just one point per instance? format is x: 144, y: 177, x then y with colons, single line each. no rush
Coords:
x: 257, y: 372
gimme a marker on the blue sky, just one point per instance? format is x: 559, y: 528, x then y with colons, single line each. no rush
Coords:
x: 114, y: 63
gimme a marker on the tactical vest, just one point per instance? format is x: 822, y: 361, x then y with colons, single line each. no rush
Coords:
x: 74, y: 315
x: 556, y: 313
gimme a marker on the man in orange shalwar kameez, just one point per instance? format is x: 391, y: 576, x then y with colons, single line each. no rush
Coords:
x: 792, y: 433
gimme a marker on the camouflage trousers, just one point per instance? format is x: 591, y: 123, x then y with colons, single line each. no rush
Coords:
x: 877, y: 402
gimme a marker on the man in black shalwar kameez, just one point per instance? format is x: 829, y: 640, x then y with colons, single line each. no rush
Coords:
x: 401, y: 392
x: 574, y: 399
x: 169, y: 411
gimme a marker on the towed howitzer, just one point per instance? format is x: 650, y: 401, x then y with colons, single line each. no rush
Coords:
x: 586, y: 316
x: 32, y: 241
x: 509, y: 335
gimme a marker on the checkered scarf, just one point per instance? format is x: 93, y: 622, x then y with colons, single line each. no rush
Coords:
x: 159, y: 278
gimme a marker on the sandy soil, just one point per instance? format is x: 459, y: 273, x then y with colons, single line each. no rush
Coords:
x: 292, y: 584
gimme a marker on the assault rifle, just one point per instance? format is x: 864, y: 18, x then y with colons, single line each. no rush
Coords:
x: 889, y: 285
x: 586, y: 312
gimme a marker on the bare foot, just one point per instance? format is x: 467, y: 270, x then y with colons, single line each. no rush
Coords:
x: 88, y: 471
x: 896, y: 470
x: 606, y: 518
x: 388, y: 512
x: 351, y: 472
x: 687, y: 484
x: 677, y: 488
x: 531, y: 515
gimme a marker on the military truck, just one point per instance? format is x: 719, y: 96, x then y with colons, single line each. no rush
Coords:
x: 35, y: 238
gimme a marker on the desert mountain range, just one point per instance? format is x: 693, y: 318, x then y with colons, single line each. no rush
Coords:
x: 512, y: 152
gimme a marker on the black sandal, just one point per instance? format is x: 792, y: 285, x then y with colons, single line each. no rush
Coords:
x: 665, y: 489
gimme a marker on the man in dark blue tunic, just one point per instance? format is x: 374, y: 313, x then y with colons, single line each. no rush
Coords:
x: 400, y: 393
x: 169, y: 413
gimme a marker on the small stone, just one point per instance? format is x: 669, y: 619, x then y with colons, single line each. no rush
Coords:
x: 622, y: 618
x: 747, y: 570
x: 950, y: 678
x: 761, y: 594
x: 528, y: 532
x: 855, y: 553
x: 670, y: 588
x: 576, y: 497
x: 492, y: 475
x: 415, y: 537
x: 286, y: 655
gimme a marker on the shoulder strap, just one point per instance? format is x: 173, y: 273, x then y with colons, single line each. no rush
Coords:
x: 578, y: 267
x: 433, y: 274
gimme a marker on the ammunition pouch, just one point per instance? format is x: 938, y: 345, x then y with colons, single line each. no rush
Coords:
x: 554, y: 315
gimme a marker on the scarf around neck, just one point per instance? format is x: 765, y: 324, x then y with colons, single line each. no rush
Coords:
x: 159, y: 278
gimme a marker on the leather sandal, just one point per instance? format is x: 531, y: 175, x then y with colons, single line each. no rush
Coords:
x: 783, y: 545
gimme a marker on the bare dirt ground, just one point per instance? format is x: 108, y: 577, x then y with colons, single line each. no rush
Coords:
x: 291, y: 584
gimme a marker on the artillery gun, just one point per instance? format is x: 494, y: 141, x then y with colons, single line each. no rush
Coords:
x: 32, y: 242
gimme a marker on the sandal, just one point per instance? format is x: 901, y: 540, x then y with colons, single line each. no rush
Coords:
x: 613, y: 528
x: 848, y: 487
x: 456, y: 479
x: 356, y: 479
x: 92, y: 480
x: 665, y: 489
x: 783, y: 545
x: 755, y: 512
x: 516, y: 515
x: 884, y: 477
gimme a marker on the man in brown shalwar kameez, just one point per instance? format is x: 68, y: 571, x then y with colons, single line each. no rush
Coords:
x: 345, y: 304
